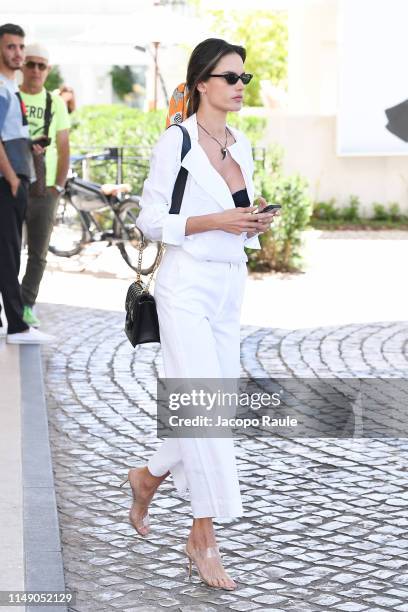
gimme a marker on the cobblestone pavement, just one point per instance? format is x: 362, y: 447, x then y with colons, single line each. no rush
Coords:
x: 326, y: 520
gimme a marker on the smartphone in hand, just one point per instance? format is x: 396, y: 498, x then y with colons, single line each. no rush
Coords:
x: 43, y: 141
x: 269, y: 208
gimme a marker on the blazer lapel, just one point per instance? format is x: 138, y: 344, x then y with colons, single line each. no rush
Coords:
x: 204, y: 173
x: 240, y: 155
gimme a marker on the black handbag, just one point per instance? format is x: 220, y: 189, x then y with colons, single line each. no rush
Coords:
x: 142, y: 323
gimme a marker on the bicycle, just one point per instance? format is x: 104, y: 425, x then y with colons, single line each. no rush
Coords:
x: 88, y: 212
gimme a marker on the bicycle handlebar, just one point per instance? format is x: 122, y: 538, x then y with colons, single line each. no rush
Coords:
x: 106, y: 155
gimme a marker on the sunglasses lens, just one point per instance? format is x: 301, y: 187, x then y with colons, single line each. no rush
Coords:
x: 231, y: 78
x: 32, y: 65
x: 246, y: 78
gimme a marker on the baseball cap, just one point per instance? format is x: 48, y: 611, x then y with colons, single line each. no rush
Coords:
x: 37, y: 50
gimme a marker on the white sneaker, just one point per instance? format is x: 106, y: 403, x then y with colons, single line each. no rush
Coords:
x: 32, y: 336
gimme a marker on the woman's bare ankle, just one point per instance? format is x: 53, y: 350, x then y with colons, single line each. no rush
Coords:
x: 147, y: 481
x: 202, y: 533
x: 153, y: 481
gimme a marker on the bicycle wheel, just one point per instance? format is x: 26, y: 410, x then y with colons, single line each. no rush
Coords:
x: 70, y: 229
x: 132, y: 238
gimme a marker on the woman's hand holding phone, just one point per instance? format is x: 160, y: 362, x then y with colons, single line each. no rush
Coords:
x: 265, y: 215
x: 238, y: 220
x: 264, y: 207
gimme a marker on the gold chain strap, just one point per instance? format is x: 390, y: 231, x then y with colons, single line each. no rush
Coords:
x: 156, y: 265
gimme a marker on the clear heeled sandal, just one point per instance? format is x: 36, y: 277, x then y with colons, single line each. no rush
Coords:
x: 209, y: 566
x: 141, y: 524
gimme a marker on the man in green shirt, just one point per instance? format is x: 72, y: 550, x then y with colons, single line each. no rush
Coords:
x: 41, y: 209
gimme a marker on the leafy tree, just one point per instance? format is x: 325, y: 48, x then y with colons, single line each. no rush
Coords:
x: 264, y: 34
x: 122, y: 80
x: 54, y: 79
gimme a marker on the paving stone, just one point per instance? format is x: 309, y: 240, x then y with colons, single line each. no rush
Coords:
x: 325, y: 600
x: 353, y: 593
x: 269, y: 599
x: 325, y: 524
x: 386, y: 602
x: 301, y: 580
x: 351, y: 607
x: 344, y: 578
x: 244, y: 606
x: 403, y: 594
x: 371, y: 584
x: 197, y: 608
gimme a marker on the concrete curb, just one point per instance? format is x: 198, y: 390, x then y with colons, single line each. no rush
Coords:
x: 42, y: 545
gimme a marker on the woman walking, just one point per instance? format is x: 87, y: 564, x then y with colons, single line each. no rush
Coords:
x: 199, y: 287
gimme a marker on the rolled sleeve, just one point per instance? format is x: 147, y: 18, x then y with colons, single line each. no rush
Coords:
x: 174, y: 229
x: 154, y: 219
x: 252, y: 243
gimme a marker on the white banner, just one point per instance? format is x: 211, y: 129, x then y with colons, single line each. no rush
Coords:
x: 373, y: 81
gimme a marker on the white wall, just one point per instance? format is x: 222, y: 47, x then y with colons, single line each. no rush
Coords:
x: 91, y: 84
x: 307, y: 128
x: 371, y: 81
x: 310, y: 149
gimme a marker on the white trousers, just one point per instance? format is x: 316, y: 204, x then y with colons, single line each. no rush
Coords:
x: 198, y: 305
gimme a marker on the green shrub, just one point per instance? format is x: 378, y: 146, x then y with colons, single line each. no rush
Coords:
x: 380, y: 212
x: 116, y: 125
x: 351, y: 212
x: 391, y: 215
x: 54, y: 80
x: 122, y: 80
x: 253, y: 127
x: 325, y: 210
x: 395, y: 212
x: 327, y: 216
x: 281, y: 245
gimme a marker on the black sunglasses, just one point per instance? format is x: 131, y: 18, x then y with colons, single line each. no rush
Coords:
x: 41, y: 66
x: 232, y: 77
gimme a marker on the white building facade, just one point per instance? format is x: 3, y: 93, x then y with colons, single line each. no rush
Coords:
x: 308, y: 127
x: 87, y: 39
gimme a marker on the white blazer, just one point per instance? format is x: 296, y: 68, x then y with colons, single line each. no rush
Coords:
x: 206, y: 192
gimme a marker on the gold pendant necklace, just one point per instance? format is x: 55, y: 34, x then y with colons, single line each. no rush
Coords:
x: 224, y: 149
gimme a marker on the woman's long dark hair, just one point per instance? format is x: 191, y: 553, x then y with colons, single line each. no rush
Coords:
x: 202, y: 62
